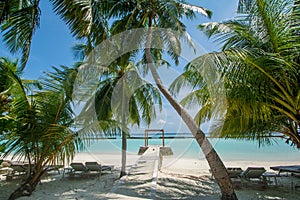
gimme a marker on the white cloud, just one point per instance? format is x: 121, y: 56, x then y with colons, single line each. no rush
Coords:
x: 161, y: 121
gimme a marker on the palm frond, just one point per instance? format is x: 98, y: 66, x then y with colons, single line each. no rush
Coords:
x: 244, y: 6
x: 89, y: 20
x: 259, y: 65
x: 20, y: 27
x: 198, y: 9
x: 5, y: 7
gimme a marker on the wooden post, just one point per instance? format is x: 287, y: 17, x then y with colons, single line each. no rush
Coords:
x: 155, y: 130
x: 163, y: 137
x: 146, y: 138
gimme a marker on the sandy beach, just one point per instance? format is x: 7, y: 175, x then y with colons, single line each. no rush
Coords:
x: 179, y: 178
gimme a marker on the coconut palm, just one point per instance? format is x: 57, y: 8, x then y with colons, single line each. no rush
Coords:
x: 162, y: 14
x: 19, y: 19
x: 40, y: 127
x: 260, y: 65
x: 40, y: 124
x: 121, y: 95
x: 132, y: 100
x: 168, y: 14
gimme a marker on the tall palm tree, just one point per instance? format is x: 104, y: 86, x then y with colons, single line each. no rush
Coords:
x: 120, y: 95
x: 260, y: 64
x: 167, y: 14
x: 163, y: 14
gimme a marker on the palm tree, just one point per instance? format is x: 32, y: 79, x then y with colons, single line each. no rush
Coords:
x: 39, y: 128
x: 120, y: 95
x: 260, y: 65
x: 88, y: 23
x: 167, y: 14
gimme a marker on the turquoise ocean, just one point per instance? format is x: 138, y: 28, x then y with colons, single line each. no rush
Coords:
x: 187, y: 147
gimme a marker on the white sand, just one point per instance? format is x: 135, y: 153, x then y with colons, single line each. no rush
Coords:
x: 179, y: 178
x: 190, y: 178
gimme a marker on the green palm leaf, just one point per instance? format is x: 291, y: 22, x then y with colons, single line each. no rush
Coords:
x: 259, y: 67
x: 18, y: 29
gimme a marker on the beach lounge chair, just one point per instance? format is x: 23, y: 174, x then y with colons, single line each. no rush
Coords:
x: 107, y: 168
x: 56, y: 168
x: 78, y: 168
x: 289, y: 169
x: 234, y: 172
x: 5, y: 168
x: 94, y: 167
x: 294, y: 170
x: 18, y: 168
x: 15, y: 170
x: 253, y: 172
x: 254, y: 175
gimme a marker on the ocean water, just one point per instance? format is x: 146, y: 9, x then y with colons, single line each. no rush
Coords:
x: 228, y: 149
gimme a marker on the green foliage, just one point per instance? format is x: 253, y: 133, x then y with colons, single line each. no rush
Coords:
x: 2, y: 148
x: 84, y: 18
x: 121, y: 95
x: 40, y: 122
x: 163, y: 17
x: 259, y: 63
x: 19, y: 20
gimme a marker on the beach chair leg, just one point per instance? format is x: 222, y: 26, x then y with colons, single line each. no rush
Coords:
x: 276, y: 182
x: 9, y: 177
x: 265, y: 181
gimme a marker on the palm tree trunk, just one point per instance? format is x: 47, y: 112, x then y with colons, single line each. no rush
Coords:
x: 216, y: 165
x: 28, y: 186
x: 124, y: 148
x: 124, y: 141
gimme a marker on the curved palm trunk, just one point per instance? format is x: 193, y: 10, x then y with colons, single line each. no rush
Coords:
x: 37, y: 173
x: 28, y: 186
x: 216, y: 165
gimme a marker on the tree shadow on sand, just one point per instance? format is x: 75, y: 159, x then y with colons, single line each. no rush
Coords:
x: 179, y: 186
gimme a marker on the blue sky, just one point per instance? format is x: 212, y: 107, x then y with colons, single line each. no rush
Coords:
x: 52, y: 43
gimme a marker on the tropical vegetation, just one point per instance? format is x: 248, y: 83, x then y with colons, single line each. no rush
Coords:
x: 150, y: 15
x: 259, y: 63
x: 38, y: 124
x: 19, y: 20
x: 119, y: 94
x: 154, y: 17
